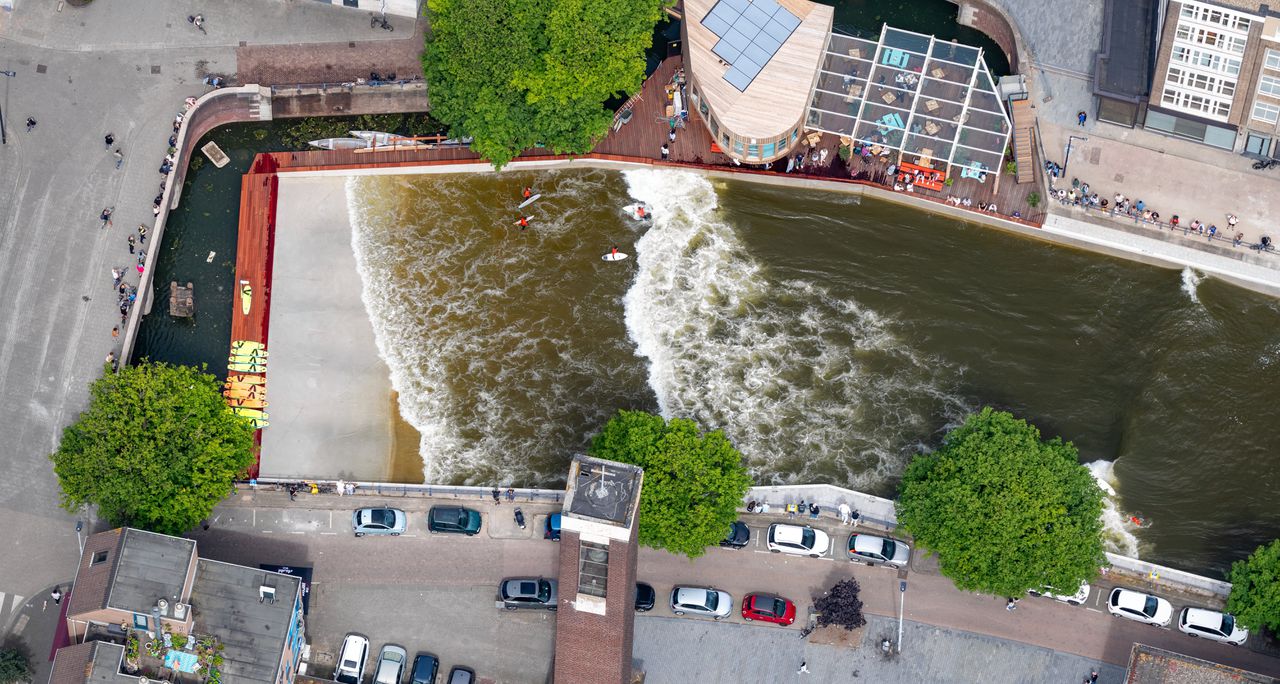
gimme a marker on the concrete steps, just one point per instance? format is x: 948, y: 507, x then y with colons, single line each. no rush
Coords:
x: 1024, y: 122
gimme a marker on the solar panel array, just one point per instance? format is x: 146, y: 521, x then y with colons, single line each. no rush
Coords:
x: 750, y: 32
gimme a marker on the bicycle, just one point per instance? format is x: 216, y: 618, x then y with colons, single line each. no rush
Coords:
x: 380, y: 22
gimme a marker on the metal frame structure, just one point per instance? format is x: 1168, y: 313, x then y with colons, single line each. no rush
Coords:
x: 912, y: 72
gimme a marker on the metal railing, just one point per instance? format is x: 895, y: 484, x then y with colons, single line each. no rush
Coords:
x: 385, y: 489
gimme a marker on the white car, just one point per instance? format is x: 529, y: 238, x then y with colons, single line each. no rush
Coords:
x: 1210, y: 624
x: 874, y: 550
x: 1075, y: 599
x: 703, y: 601
x: 798, y: 540
x: 351, y: 659
x: 1141, y: 607
x: 390, y: 665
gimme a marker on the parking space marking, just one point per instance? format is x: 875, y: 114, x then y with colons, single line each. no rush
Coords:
x: 329, y: 533
x: 268, y: 531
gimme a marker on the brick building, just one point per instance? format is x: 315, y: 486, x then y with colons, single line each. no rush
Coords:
x: 596, y: 620
x: 147, y: 604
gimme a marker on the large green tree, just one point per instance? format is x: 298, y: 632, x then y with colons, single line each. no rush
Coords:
x: 518, y: 73
x: 14, y: 667
x: 1005, y: 510
x: 1255, y: 589
x: 157, y: 448
x: 693, y: 481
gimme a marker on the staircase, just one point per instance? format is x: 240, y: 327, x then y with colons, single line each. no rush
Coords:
x: 1024, y: 122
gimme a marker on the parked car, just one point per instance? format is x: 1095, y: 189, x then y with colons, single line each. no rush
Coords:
x: 768, y: 608
x: 1075, y: 599
x: 1210, y: 624
x: 425, y: 667
x: 645, y: 597
x: 390, y: 667
x: 528, y: 592
x: 390, y: 521
x: 1136, y: 605
x: 351, y: 659
x: 461, y: 675
x: 453, y: 519
x: 739, y: 535
x: 702, y: 601
x: 874, y: 550
x: 552, y: 530
x: 797, y: 540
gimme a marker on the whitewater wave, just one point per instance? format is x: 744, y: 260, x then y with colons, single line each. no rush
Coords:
x: 1191, y: 283
x: 807, y: 383
x: 1117, y: 527
x: 503, y: 344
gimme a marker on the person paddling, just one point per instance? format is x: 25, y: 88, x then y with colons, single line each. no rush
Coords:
x: 528, y: 192
x: 613, y: 253
x: 640, y: 213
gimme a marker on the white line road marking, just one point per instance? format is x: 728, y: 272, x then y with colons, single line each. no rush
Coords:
x: 268, y: 531
x: 331, y: 519
x: 329, y: 533
x: 255, y: 517
x: 297, y: 532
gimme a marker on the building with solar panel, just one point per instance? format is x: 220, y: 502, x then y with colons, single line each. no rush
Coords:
x: 765, y: 74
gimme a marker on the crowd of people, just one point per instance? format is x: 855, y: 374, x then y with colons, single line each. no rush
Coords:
x: 1120, y: 206
x: 136, y: 240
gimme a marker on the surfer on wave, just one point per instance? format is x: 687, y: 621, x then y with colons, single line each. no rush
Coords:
x: 523, y: 222
x: 528, y: 192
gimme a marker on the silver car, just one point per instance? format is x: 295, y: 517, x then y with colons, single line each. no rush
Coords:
x: 390, y: 521
x: 528, y: 592
x: 874, y: 550
x: 390, y: 665
x: 703, y: 601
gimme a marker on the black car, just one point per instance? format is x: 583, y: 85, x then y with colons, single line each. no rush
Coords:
x: 738, y: 537
x: 461, y: 675
x: 552, y: 530
x: 455, y: 519
x: 645, y: 597
x: 425, y: 667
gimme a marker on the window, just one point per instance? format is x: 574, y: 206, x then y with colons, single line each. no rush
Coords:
x: 99, y: 557
x: 1272, y: 60
x: 593, y: 569
x: 1269, y: 85
x: 1257, y: 144
x: 1263, y: 111
x: 753, y: 151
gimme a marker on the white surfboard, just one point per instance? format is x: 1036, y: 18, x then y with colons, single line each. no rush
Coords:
x: 633, y: 209
x: 529, y: 201
x: 614, y: 256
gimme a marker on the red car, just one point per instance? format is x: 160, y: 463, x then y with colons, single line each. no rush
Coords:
x: 768, y: 608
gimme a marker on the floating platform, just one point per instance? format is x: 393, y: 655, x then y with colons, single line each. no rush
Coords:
x: 215, y: 154
x: 182, y: 300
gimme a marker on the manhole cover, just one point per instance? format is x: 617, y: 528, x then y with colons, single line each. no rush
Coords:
x: 1119, y: 178
x: 40, y: 68
x: 155, y: 69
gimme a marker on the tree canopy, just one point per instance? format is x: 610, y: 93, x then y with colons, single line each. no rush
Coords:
x: 1255, y: 589
x: 1005, y: 510
x: 157, y: 448
x: 693, y: 481
x: 517, y: 73
x: 841, y: 606
x: 14, y: 667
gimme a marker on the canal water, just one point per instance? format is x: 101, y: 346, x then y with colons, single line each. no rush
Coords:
x: 831, y: 339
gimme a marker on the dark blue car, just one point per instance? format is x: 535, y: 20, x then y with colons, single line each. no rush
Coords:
x: 552, y: 531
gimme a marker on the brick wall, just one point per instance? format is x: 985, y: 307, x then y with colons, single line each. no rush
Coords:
x: 590, y: 648
x: 986, y: 19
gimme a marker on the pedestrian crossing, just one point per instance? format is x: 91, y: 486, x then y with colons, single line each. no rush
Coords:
x: 9, y: 605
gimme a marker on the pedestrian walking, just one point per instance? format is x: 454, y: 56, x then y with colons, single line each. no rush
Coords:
x: 119, y: 157
x: 106, y: 217
x: 671, y: 135
x: 804, y: 667
x: 131, y: 243
x: 142, y: 234
x: 116, y: 275
x: 666, y: 151
x: 511, y: 495
x: 198, y: 21
x: 1081, y: 117
x: 115, y: 332
x: 497, y: 496
x: 56, y: 595
x: 1093, y: 677
x: 845, y: 513
x: 111, y: 140
x: 31, y: 123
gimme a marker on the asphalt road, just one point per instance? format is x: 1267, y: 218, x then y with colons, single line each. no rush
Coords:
x: 436, y: 592
x: 122, y: 67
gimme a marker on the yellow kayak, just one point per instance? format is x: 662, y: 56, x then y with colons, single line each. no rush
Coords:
x: 246, y: 296
x: 246, y: 379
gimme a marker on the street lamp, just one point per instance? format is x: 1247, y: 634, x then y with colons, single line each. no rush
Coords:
x: 4, y: 140
x: 902, y: 600
x: 1067, y: 158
